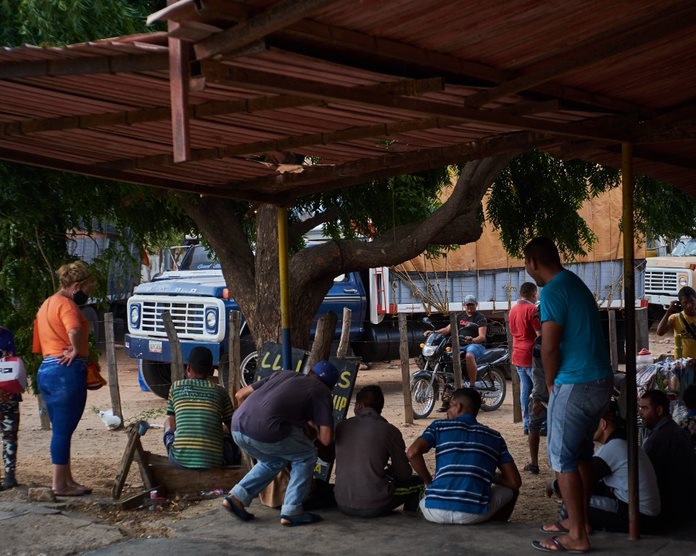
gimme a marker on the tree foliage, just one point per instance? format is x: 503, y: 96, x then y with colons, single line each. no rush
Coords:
x: 538, y: 194
x: 58, y: 22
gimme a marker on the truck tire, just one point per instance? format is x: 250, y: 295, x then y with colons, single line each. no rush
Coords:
x: 492, y: 398
x: 158, y: 377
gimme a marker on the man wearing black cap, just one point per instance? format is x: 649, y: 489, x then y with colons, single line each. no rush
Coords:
x: 473, y: 328
x: 197, y: 409
x: 269, y: 425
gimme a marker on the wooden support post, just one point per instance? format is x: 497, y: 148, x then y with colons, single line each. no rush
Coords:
x: 642, y: 334
x: 456, y: 354
x: 405, y: 374
x: 234, y: 358
x: 112, y: 368
x: 516, y: 387
x: 613, y: 343
x: 344, y: 342
x: 321, y: 347
x: 177, y: 365
x: 179, y: 76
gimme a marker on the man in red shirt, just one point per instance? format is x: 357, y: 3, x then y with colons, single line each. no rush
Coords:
x: 524, y: 327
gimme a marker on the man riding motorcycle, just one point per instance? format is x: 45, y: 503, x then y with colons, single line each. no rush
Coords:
x: 473, y: 327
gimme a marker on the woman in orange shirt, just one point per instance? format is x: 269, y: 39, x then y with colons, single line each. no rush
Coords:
x: 61, y: 334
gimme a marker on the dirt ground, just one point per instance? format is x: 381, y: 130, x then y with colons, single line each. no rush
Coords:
x: 97, y: 451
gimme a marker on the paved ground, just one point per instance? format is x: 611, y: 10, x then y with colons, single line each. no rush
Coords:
x: 36, y: 529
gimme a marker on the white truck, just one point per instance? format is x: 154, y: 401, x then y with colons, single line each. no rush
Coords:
x: 665, y: 276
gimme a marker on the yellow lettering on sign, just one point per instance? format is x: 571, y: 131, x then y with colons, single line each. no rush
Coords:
x: 340, y: 402
x: 344, y: 380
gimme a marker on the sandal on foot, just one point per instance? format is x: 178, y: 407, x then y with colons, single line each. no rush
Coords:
x: 70, y: 491
x: 299, y: 519
x: 557, y: 546
x: 556, y: 527
x: 236, y: 509
x: 531, y: 468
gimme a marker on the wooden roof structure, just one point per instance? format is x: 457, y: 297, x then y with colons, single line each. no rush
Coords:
x: 269, y: 100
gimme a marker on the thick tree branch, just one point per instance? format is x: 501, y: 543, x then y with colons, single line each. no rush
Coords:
x: 454, y: 222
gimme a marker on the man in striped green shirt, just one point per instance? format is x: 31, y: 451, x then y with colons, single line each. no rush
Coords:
x: 197, y: 409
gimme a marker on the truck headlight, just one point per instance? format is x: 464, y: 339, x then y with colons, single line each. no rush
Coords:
x: 134, y: 316
x: 211, y: 320
x: 682, y: 279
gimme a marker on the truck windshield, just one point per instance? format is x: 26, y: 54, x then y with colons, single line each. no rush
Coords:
x: 198, y: 258
x: 685, y: 248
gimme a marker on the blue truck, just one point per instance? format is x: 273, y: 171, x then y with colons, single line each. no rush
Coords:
x: 198, y: 300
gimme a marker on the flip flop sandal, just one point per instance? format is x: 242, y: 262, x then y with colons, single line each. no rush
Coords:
x: 558, y: 547
x: 237, y: 510
x: 557, y: 528
x: 306, y: 518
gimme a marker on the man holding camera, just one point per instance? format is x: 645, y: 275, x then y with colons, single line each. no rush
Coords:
x: 681, y: 318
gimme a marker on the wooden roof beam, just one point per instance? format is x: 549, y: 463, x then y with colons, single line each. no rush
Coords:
x: 592, y: 50
x: 117, y: 63
x: 337, y: 44
x: 319, y: 178
x: 265, y: 81
x: 277, y: 16
x: 154, y: 114
x: 293, y: 142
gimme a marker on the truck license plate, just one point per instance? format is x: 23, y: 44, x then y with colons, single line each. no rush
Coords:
x: 154, y: 346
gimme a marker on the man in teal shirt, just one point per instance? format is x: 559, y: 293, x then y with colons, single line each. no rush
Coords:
x: 579, y: 379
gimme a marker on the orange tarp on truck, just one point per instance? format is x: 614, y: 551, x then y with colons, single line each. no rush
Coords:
x: 602, y: 214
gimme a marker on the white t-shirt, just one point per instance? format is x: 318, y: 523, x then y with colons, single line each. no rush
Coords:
x: 615, y: 454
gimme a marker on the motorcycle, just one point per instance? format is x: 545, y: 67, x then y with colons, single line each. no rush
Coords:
x: 436, y: 378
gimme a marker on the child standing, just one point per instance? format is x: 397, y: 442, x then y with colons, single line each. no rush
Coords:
x: 9, y: 417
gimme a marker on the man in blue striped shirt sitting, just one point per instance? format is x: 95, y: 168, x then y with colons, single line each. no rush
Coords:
x: 466, y: 488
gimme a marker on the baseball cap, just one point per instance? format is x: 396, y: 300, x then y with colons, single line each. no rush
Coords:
x: 326, y: 372
x: 470, y: 299
x: 7, y: 342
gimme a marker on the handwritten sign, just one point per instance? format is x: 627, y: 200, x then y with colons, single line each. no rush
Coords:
x: 272, y: 357
x: 341, y: 394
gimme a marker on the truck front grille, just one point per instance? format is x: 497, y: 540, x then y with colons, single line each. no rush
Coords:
x: 188, y: 318
x: 661, y: 281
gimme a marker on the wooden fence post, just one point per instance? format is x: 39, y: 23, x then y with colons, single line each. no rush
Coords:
x: 516, y: 405
x: 405, y: 375
x: 613, y: 342
x: 234, y: 358
x: 177, y: 365
x: 321, y: 347
x: 456, y: 354
x: 344, y: 342
x: 114, y: 390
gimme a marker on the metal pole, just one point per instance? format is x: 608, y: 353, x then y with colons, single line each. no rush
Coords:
x: 282, y: 216
x: 630, y: 330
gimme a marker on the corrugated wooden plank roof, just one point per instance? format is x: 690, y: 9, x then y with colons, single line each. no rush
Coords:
x: 361, y: 89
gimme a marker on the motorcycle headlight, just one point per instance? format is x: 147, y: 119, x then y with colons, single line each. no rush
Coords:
x: 428, y: 351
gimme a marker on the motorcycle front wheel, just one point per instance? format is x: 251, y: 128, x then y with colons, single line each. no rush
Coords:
x: 493, y: 395
x: 423, y: 396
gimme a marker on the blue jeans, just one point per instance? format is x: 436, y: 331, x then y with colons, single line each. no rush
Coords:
x: 64, y: 389
x: 573, y: 415
x: 525, y: 374
x: 296, y: 449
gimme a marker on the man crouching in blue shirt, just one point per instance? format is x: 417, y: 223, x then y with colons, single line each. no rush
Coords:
x: 466, y: 489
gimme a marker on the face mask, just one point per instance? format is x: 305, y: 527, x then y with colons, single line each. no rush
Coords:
x: 79, y: 297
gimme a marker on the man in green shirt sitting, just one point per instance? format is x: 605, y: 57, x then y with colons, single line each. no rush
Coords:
x: 199, y: 413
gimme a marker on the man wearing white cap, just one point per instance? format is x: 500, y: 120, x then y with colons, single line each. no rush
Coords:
x: 472, y: 336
